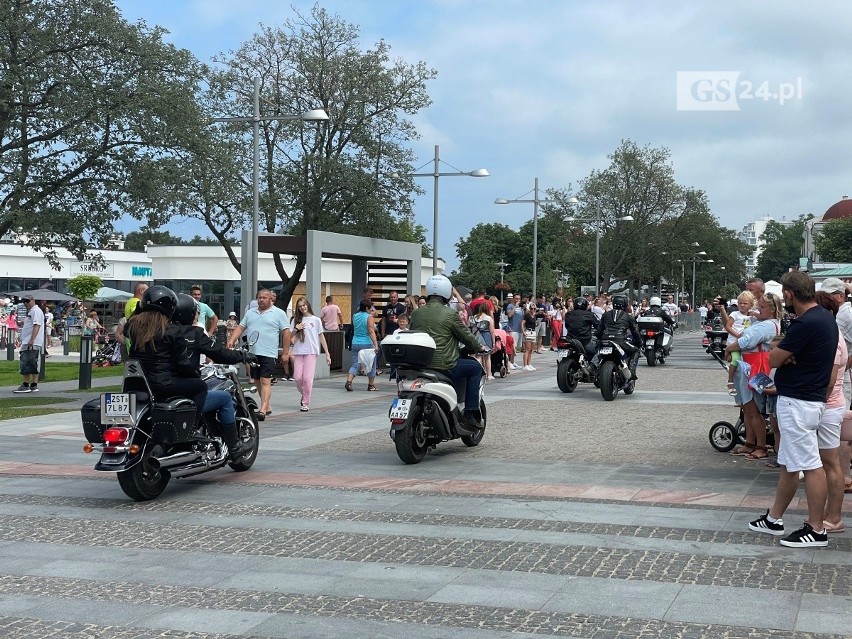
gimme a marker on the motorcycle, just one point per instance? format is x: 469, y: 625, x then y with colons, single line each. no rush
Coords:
x: 613, y: 371
x: 715, y: 339
x: 573, y: 366
x: 147, y: 443
x: 429, y: 407
x: 656, y: 337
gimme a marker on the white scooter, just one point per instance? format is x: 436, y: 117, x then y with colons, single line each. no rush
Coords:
x: 429, y: 408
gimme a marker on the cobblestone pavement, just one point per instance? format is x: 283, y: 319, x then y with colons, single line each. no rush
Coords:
x: 329, y: 535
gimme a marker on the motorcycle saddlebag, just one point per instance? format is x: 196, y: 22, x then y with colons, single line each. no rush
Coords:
x: 412, y: 348
x: 173, y: 422
x: 91, y: 416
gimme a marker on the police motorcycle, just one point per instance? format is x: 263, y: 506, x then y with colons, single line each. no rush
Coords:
x: 147, y: 443
x: 573, y: 366
x: 656, y: 336
x: 429, y: 407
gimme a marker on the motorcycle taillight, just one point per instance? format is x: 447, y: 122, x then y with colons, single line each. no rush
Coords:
x: 651, y: 333
x: 115, y: 435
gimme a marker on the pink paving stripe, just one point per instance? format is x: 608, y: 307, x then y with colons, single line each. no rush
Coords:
x: 449, y: 486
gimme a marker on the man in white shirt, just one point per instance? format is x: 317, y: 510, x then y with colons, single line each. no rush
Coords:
x: 32, y: 341
x: 671, y: 308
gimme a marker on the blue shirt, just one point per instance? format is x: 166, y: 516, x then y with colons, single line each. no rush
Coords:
x: 812, y: 339
x: 760, y: 332
x: 516, y: 319
x: 268, y: 326
x: 205, y: 314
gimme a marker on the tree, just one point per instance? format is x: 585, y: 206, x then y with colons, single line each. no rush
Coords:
x: 782, y: 248
x: 349, y: 175
x: 834, y: 243
x: 479, y: 254
x: 84, y: 287
x: 138, y: 240
x: 86, y: 100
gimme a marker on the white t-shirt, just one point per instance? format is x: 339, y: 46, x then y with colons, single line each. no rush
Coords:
x: 672, y: 309
x: 312, y: 329
x: 741, y: 322
x: 34, y: 318
x: 48, y: 323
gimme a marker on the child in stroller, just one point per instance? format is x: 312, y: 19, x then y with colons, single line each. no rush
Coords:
x: 499, y: 356
x: 109, y: 353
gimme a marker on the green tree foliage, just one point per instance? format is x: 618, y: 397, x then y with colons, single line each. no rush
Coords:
x: 84, y: 287
x: 782, y: 248
x: 137, y: 240
x: 481, y: 251
x: 86, y: 100
x: 349, y: 175
x: 834, y: 244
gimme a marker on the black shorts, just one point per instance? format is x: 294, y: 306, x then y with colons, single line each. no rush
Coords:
x: 265, y: 367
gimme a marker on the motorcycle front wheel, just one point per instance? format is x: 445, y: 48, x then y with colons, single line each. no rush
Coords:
x: 142, y: 482
x: 566, y: 377
x: 609, y: 387
x: 412, y: 441
x: 248, y: 430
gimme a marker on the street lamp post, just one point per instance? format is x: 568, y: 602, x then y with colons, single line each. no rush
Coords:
x: 436, y: 173
x: 535, y: 202
x: 694, y: 260
x: 502, y: 266
x: 249, y: 275
x: 598, y: 219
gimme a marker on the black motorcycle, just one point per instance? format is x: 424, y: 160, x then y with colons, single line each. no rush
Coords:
x: 146, y: 443
x: 572, y: 365
x: 656, y: 337
x: 613, y: 370
x: 715, y: 339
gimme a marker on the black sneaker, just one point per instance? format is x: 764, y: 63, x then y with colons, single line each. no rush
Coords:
x: 806, y: 537
x: 762, y: 524
x: 23, y: 388
x: 33, y: 388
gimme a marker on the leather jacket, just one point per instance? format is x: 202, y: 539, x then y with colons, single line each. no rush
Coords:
x: 619, y: 325
x: 166, y: 359
x: 581, y: 324
x: 657, y: 311
x: 444, y: 325
x: 198, y: 343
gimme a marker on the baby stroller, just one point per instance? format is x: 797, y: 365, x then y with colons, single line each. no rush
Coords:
x: 725, y: 435
x: 499, y: 356
x: 109, y: 353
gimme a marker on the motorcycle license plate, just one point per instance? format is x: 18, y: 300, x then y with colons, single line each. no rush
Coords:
x: 650, y: 343
x: 606, y: 350
x: 400, y: 408
x: 118, y: 408
x: 562, y: 353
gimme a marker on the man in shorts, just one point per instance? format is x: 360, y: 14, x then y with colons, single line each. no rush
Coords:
x: 803, y: 362
x: 271, y: 325
x: 32, y: 341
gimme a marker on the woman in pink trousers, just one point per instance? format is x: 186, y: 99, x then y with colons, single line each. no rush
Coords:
x: 306, y: 329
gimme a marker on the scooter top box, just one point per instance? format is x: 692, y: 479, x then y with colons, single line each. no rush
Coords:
x: 412, y: 348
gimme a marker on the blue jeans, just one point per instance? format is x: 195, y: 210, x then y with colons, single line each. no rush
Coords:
x: 221, y: 402
x: 471, y: 371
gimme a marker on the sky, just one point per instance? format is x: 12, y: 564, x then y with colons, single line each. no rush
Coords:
x: 751, y: 98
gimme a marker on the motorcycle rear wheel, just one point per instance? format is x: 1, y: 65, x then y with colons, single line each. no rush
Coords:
x: 247, y: 430
x: 412, y: 442
x: 142, y: 482
x: 651, y: 356
x: 609, y: 387
x: 566, y: 378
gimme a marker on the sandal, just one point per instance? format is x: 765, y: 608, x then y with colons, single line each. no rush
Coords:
x: 348, y: 386
x: 372, y: 387
x: 745, y: 449
x: 772, y: 463
x: 753, y: 455
x: 847, y: 486
x: 839, y: 527
x: 732, y: 391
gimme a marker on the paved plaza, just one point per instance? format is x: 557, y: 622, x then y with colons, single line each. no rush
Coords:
x: 574, y: 517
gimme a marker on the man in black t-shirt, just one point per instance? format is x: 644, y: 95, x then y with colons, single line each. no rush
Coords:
x: 803, y: 362
x: 393, y: 310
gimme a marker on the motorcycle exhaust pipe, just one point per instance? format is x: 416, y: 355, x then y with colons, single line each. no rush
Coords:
x: 169, y: 461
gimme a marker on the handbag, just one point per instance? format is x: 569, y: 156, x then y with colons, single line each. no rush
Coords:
x: 366, y: 358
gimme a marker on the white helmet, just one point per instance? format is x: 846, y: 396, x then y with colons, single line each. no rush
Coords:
x: 439, y: 285
x: 655, y: 301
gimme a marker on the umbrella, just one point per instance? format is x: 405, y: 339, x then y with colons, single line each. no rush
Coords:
x: 42, y: 294
x: 107, y: 294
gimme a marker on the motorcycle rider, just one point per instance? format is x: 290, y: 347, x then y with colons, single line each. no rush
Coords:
x: 445, y: 326
x: 657, y: 310
x: 161, y: 349
x: 582, y: 325
x: 200, y: 343
x: 619, y: 326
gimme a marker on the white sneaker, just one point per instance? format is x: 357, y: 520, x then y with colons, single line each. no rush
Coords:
x: 528, y: 368
x: 514, y: 366
x: 532, y: 368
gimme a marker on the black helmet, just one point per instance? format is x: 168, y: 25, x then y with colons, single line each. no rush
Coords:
x: 619, y: 302
x: 160, y: 298
x: 581, y: 303
x: 186, y: 309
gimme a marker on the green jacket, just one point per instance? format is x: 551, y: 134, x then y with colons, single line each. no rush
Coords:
x: 446, y: 328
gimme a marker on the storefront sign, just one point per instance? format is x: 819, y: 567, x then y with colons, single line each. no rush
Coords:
x: 89, y: 268
x: 141, y: 271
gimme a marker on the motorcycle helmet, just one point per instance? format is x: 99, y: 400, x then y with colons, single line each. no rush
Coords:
x: 581, y: 303
x: 619, y: 302
x: 439, y: 285
x: 655, y: 301
x: 160, y: 298
x: 186, y: 309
